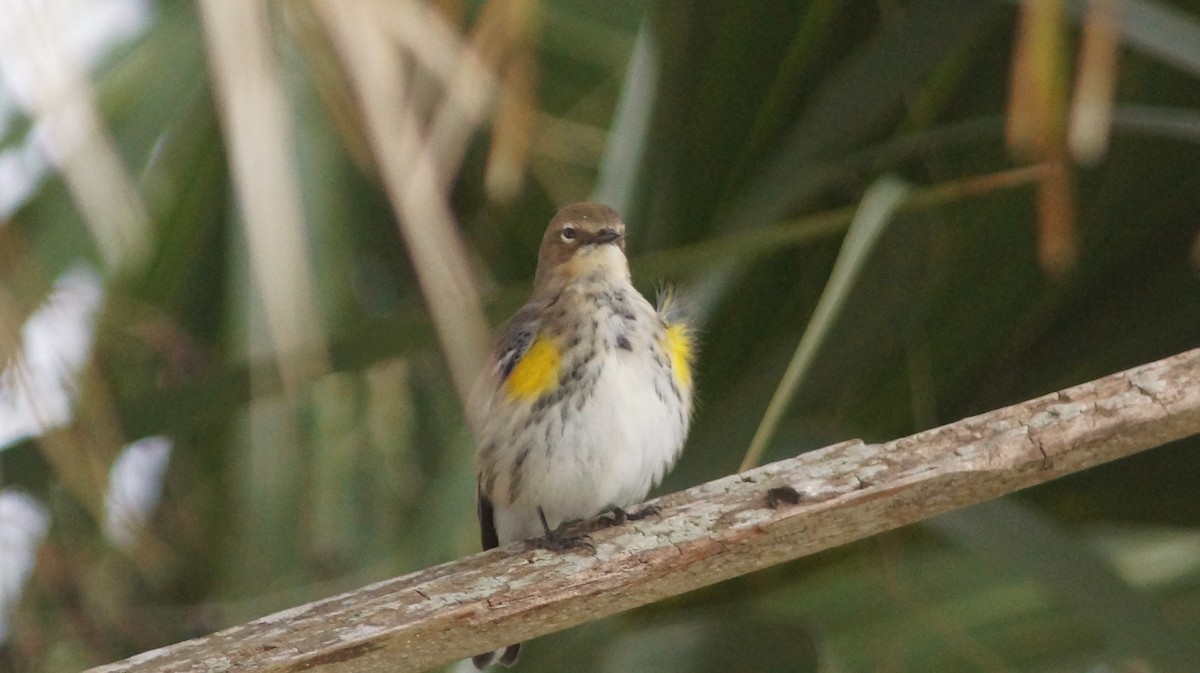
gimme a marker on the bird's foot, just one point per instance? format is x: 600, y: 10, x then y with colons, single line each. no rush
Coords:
x: 619, y: 516
x: 555, y: 541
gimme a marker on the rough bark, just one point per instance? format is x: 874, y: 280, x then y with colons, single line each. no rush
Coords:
x: 709, y: 533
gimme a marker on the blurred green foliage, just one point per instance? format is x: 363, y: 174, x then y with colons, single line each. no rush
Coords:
x: 762, y: 112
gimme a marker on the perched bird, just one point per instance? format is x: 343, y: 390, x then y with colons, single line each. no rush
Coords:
x: 588, y: 398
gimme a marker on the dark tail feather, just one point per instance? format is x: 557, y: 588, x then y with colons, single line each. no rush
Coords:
x: 487, y: 534
x: 487, y: 522
x: 507, y: 659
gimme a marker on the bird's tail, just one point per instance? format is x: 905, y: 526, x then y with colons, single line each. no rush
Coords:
x: 487, y: 528
x: 507, y: 657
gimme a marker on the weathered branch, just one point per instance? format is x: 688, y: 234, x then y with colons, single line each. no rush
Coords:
x: 709, y: 533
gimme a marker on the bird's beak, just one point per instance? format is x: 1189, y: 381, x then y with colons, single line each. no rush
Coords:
x: 605, y: 236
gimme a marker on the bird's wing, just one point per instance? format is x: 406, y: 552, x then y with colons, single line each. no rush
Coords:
x: 515, y: 339
x: 513, y: 342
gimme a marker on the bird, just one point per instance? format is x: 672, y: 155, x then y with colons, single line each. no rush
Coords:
x: 587, y: 399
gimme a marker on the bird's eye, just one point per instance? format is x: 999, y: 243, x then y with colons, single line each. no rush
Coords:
x: 568, y: 233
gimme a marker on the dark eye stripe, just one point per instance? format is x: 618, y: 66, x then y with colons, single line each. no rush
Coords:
x: 568, y: 233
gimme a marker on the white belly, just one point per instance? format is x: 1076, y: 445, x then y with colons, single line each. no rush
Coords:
x: 610, y: 452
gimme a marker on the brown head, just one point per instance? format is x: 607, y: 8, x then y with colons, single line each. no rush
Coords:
x: 582, y: 238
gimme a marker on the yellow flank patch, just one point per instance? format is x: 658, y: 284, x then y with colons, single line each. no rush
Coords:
x: 537, y: 371
x: 680, y: 348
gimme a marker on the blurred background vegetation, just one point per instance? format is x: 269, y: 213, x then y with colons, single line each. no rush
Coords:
x: 264, y: 237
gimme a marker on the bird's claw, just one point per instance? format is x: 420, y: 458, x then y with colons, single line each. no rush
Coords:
x: 619, y: 516
x: 559, y: 542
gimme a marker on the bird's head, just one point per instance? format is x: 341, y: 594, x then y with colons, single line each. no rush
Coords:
x: 583, y: 239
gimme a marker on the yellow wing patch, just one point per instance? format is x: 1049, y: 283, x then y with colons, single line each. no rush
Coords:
x: 681, y: 348
x: 537, y: 371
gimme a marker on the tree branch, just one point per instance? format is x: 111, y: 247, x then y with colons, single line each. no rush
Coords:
x: 709, y: 533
